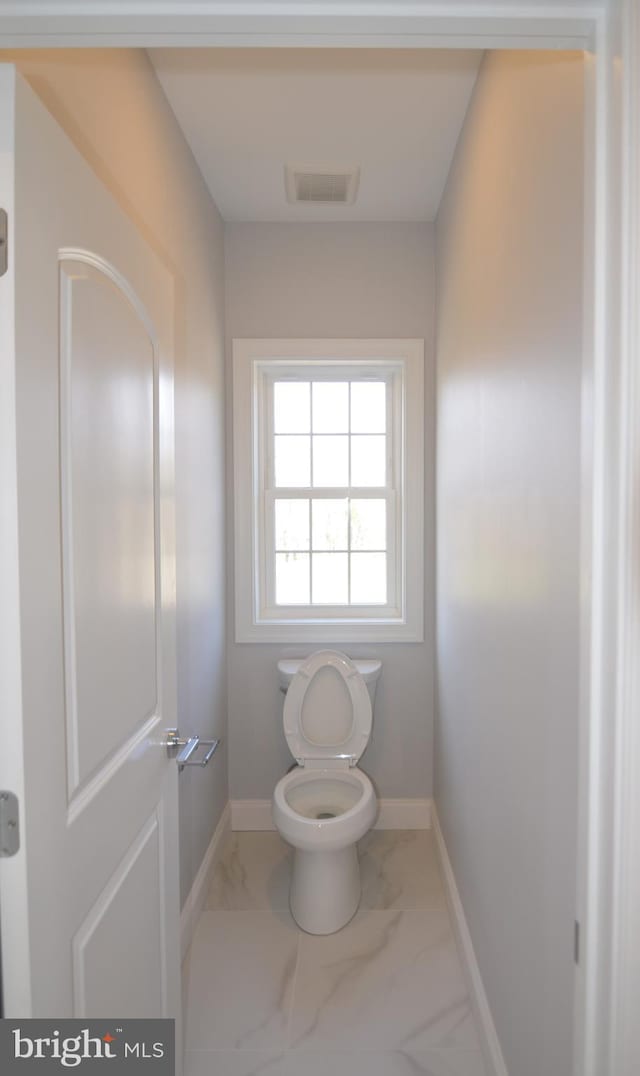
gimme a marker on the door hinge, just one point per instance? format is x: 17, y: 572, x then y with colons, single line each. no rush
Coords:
x: 576, y: 942
x: 4, y: 241
x: 9, y: 824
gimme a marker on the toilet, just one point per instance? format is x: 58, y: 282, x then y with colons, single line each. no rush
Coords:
x: 325, y: 804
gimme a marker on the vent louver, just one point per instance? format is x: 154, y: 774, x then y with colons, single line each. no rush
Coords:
x: 321, y: 186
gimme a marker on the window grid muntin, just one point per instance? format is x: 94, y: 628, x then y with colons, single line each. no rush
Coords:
x: 350, y: 439
x: 338, y: 493
x: 347, y: 549
x: 343, y: 493
x: 391, y: 372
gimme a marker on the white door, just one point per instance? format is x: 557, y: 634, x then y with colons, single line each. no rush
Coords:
x: 89, y: 904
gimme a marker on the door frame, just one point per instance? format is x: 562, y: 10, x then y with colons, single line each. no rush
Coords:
x: 606, y: 1034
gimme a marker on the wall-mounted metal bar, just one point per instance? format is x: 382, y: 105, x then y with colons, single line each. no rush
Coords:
x: 184, y: 758
x: 188, y: 748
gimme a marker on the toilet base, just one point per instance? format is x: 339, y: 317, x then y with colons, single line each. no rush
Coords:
x: 325, y: 889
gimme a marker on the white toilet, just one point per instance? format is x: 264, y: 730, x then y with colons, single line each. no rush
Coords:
x: 325, y: 804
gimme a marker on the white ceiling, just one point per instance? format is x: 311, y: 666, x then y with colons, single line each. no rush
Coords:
x: 246, y: 113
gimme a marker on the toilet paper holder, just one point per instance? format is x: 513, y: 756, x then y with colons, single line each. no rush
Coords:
x: 188, y: 748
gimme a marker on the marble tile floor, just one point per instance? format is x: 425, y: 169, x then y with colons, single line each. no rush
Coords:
x: 385, y: 996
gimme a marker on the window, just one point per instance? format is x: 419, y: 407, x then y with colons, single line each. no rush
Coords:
x: 328, y: 452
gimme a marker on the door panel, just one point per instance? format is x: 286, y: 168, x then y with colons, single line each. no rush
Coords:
x: 89, y: 907
x: 107, y: 419
x: 118, y: 948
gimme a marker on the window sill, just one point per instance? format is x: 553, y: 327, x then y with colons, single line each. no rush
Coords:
x: 337, y: 632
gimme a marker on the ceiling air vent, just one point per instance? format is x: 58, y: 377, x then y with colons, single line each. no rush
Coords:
x: 321, y: 186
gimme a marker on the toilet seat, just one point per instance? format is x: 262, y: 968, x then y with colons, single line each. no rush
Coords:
x: 329, y: 748
x: 304, y: 828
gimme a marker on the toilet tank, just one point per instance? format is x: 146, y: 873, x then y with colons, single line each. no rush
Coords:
x: 369, y: 669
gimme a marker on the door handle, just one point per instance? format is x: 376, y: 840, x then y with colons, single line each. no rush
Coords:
x: 189, y: 748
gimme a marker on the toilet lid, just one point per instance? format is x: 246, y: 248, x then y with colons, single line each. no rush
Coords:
x: 327, y: 710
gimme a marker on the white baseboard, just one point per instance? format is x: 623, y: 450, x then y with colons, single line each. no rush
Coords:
x: 404, y: 814
x: 488, y: 1035
x: 392, y: 814
x: 194, y: 903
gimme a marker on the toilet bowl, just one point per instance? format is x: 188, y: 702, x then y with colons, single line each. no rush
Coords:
x: 326, y: 803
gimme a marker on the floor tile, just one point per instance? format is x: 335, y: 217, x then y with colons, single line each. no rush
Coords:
x: 446, y: 1063
x: 253, y: 873
x: 399, y: 869
x: 240, y: 981
x: 232, y: 1063
x: 390, y: 980
x: 337, y: 1063
x: 385, y: 996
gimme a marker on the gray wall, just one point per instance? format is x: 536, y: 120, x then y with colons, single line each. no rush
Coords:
x: 354, y: 280
x: 509, y: 379
x: 111, y: 105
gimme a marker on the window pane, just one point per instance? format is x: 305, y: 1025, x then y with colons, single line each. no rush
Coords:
x: 292, y: 524
x: 331, y: 461
x: 368, y: 407
x: 369, y: 578
x: 292, y: 461
x: 292, y: 578
x: 330, y: 583
x: 330, y: 530
x: 330, y: 407
x: 368, y: 524
x: 368, y: 461
x: 291, y: 407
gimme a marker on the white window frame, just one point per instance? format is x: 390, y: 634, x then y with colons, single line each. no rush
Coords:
x: 256, y: 362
